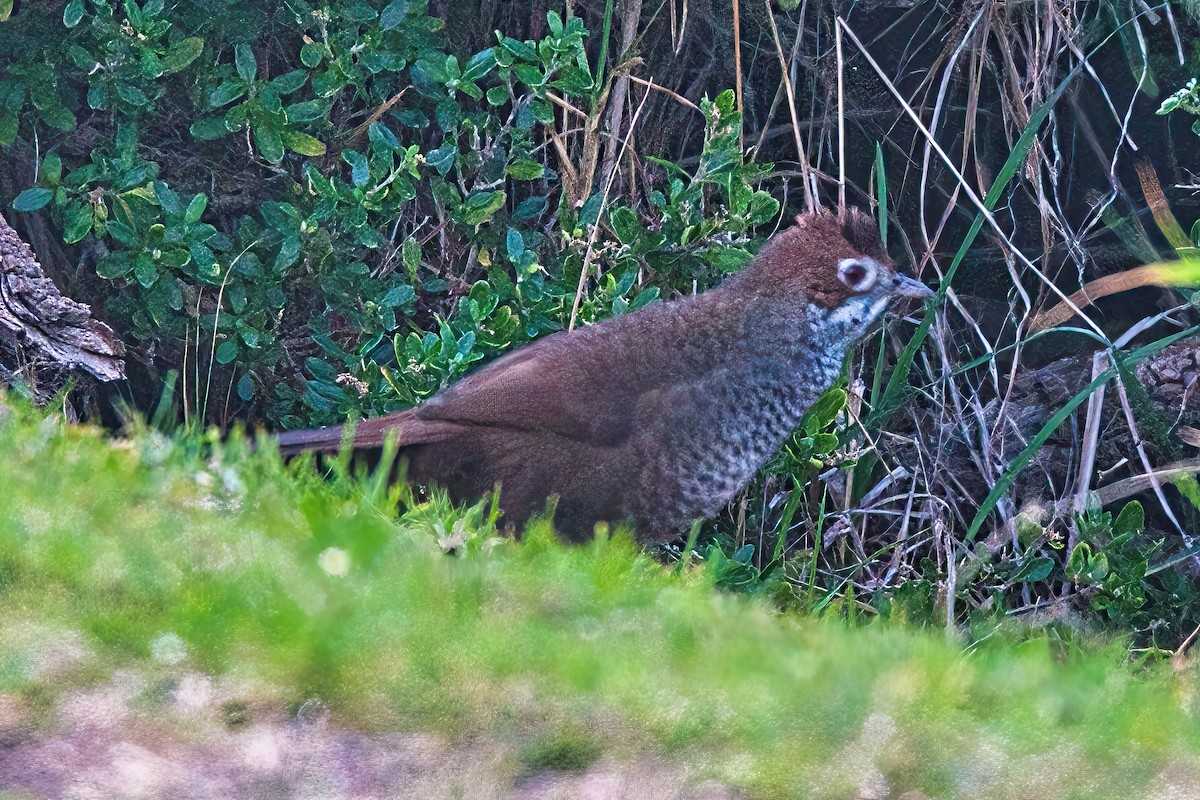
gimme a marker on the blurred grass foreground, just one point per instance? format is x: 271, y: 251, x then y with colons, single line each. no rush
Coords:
x: 170, y: 560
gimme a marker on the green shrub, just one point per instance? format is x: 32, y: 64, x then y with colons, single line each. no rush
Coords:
x: 324, y: 211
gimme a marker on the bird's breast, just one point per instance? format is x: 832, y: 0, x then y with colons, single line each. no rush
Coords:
x: 719, y: 439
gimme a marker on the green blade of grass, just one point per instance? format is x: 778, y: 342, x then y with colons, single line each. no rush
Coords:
x: 881, y: 193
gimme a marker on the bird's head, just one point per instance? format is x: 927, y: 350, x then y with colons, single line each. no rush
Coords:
x: 834, y: 265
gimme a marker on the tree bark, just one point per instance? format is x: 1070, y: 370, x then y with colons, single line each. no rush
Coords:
x: 44, y: 328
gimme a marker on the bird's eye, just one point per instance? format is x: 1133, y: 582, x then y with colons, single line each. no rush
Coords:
x: 857, y: 274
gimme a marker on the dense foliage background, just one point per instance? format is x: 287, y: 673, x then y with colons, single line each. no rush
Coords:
x: 296, y: 211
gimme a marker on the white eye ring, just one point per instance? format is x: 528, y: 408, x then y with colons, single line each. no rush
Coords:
x: 858, y: 274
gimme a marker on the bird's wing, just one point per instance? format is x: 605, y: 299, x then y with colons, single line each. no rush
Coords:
x: 587, y: 386
x: 563, y: 384
x: 553, y: 385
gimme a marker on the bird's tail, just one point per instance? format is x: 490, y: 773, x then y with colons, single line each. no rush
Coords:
x: 367, y: 433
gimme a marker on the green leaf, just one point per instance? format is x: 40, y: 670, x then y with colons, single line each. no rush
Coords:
x: 519, y: 49
x: 442, y: 159
x: 52, y: 169
x: 78, y: 218
x: 204, y: 260
x: 644, y: 298
x: 625, y: 224
x: 1034, y: 569
x: 289, y: 82
x: 763, y: 208
x: 727, y: 259
x: 1188, y: 486
x: 32, y: 199
x: 269, y: 143
x: 312, y: 54
x: 525, y: 170
x: 307, y: 111
x: 8, y: 128
x: 144, y: 270
x: 245, y: 388
x: 726, y: 103
x: 393, y: 14
x: 515, y: 244
x: 72, y: 14
x: 132, y: 95
x: 410, y: 254
x: 5, y: 10
x: 181, y: 54
x: 480, y: 206
x: 195, y: 209
x: 497, y: 95
x: 824, y: 412
x: 479, y: 65
x: 530, y: 75
x: 225, y: 93
x: 302, y: 143
x: 283, y: 217
x: 289, y: 253
x: 209, y: 129
x: 227, y: 351
x: 1131, y: 519
x: 1097, y: 568
x: 1077, y: 563
x: 382, y: 137
x: 168, y: 200
x: 530, y: 209
x: 824, y: 443
x: 122, y: 233
x: 59, y: 118
x: 114, y: 265
x: 360, y: 171
x: 399, y: 295
x: 243, y: 59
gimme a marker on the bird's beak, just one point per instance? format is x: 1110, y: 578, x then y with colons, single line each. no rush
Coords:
x: 907, y: 287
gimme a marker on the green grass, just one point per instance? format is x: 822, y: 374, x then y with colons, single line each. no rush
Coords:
x: 145, y: 553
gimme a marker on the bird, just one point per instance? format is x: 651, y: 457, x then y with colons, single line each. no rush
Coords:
x: 656, y: 418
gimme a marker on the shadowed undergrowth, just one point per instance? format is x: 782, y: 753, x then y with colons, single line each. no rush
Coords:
x: 146, y: 554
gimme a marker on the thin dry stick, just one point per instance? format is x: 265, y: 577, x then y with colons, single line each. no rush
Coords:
x: 737, y: 68
x: 841, y: 90
x: 187, y: 335
x: 766, y: 128
x: 202, y: 413
x: 1136, y: 484
x: 660, y: 88
x: 679, y: 38
x: 951, y: 575
x: 810, y: 200
x: 587, y: 256
x: 1091, y: 440
x: 561, y: 103
x: 1192, y: 637
x: 948, y: 73
x: 1140, y: 447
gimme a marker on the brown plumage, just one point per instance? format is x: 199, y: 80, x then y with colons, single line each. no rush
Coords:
x: 660, y: 416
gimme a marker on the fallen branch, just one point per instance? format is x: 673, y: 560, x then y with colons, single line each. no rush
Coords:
x: 45, y: 327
